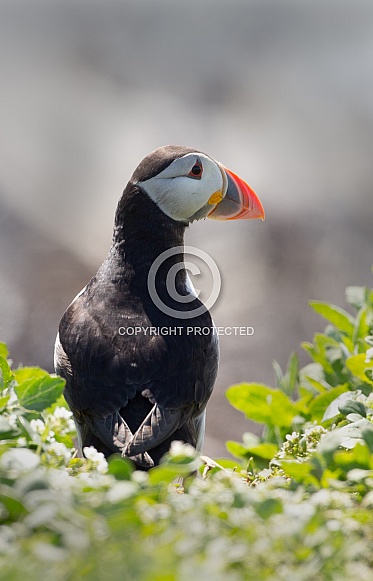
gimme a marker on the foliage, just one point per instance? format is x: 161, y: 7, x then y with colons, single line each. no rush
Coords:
x: 316, y: 414
x: 295, y: 503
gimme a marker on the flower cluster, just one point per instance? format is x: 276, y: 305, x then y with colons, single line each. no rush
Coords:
x: 96, y: 460
x: 301, y: 445
x: 54, y: 435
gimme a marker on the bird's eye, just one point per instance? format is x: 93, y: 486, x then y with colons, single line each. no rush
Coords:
x: 196, y: 171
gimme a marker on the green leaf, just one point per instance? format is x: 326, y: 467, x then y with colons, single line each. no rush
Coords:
x: 3, y: 401
x: 226, y: 463
x: 268, y: 507
x: 361, y: 326
x: 300, y: 472
x: 25, y: 373
x: 367, y: 433
x: 14, y: 509
x: 320, y: 403
x: 329, y: 444
x: 250, y: 440
x: 358, y: 365
x: 318, y: 354
x: 358, y: 457
x: 312, y: 378
x: 6, y: 374
x: 288, y: 382
x: 59, y: 403
x: 262, y: 451
x: 264, y: 405
x: 338, y: 317
x: 292, y: 371
x: 353, y: 407
x: 3, y: 350
x: 333, y: 408
x: 279, y: 376
x: 236, y: 449
x: 166, y: 473
x: 163, y: 474
x: 320, y: 386
x: 39, y: 392
x: 120, y: 467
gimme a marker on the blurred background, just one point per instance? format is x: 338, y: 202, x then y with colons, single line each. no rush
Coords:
x: 280, y: 92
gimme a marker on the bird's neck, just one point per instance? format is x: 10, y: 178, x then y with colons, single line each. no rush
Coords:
x: 142, y: 232
x: 138, y: 221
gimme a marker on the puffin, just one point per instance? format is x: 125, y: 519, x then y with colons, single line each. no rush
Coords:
x: 138, y: 372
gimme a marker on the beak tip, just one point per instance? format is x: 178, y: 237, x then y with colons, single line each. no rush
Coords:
x: 240, y: 202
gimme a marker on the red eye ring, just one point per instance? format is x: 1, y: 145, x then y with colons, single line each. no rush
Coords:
x: 196, y: 171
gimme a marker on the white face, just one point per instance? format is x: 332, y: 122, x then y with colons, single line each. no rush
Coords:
x: 185, y: 187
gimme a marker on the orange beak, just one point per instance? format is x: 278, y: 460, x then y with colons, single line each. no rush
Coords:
x: 240, y: 201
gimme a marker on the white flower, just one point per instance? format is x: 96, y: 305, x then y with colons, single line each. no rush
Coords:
x: 21, y: 442
x: 180, y: 449
x: 314, y: 429
x: 292, y: 437
x: 62, y: 413
x: 38, y: 426
x: 12, y: 419
x: 60, y: 450
x: 121, y: 490
x: 90, y: 453
x: 97, y: 458
x: 141, y: 478
x: 369, y: 355
x: 61, y: 421
x: 19, y: 460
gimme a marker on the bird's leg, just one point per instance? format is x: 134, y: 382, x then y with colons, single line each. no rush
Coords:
x: 115, y: 434
x: 158, y: 425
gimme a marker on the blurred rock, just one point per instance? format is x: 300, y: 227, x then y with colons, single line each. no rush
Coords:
x: 38, y: 279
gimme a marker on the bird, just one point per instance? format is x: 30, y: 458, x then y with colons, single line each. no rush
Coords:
x: 135, y: 393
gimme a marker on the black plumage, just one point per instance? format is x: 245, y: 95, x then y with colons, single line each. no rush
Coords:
x: 135, y: 394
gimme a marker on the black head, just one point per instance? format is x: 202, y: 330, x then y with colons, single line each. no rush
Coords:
x: 157, y: 161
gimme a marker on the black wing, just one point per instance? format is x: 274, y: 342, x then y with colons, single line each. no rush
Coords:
x: 134, y: 393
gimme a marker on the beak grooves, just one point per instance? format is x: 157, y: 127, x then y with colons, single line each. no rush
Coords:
x: 240, y: 201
